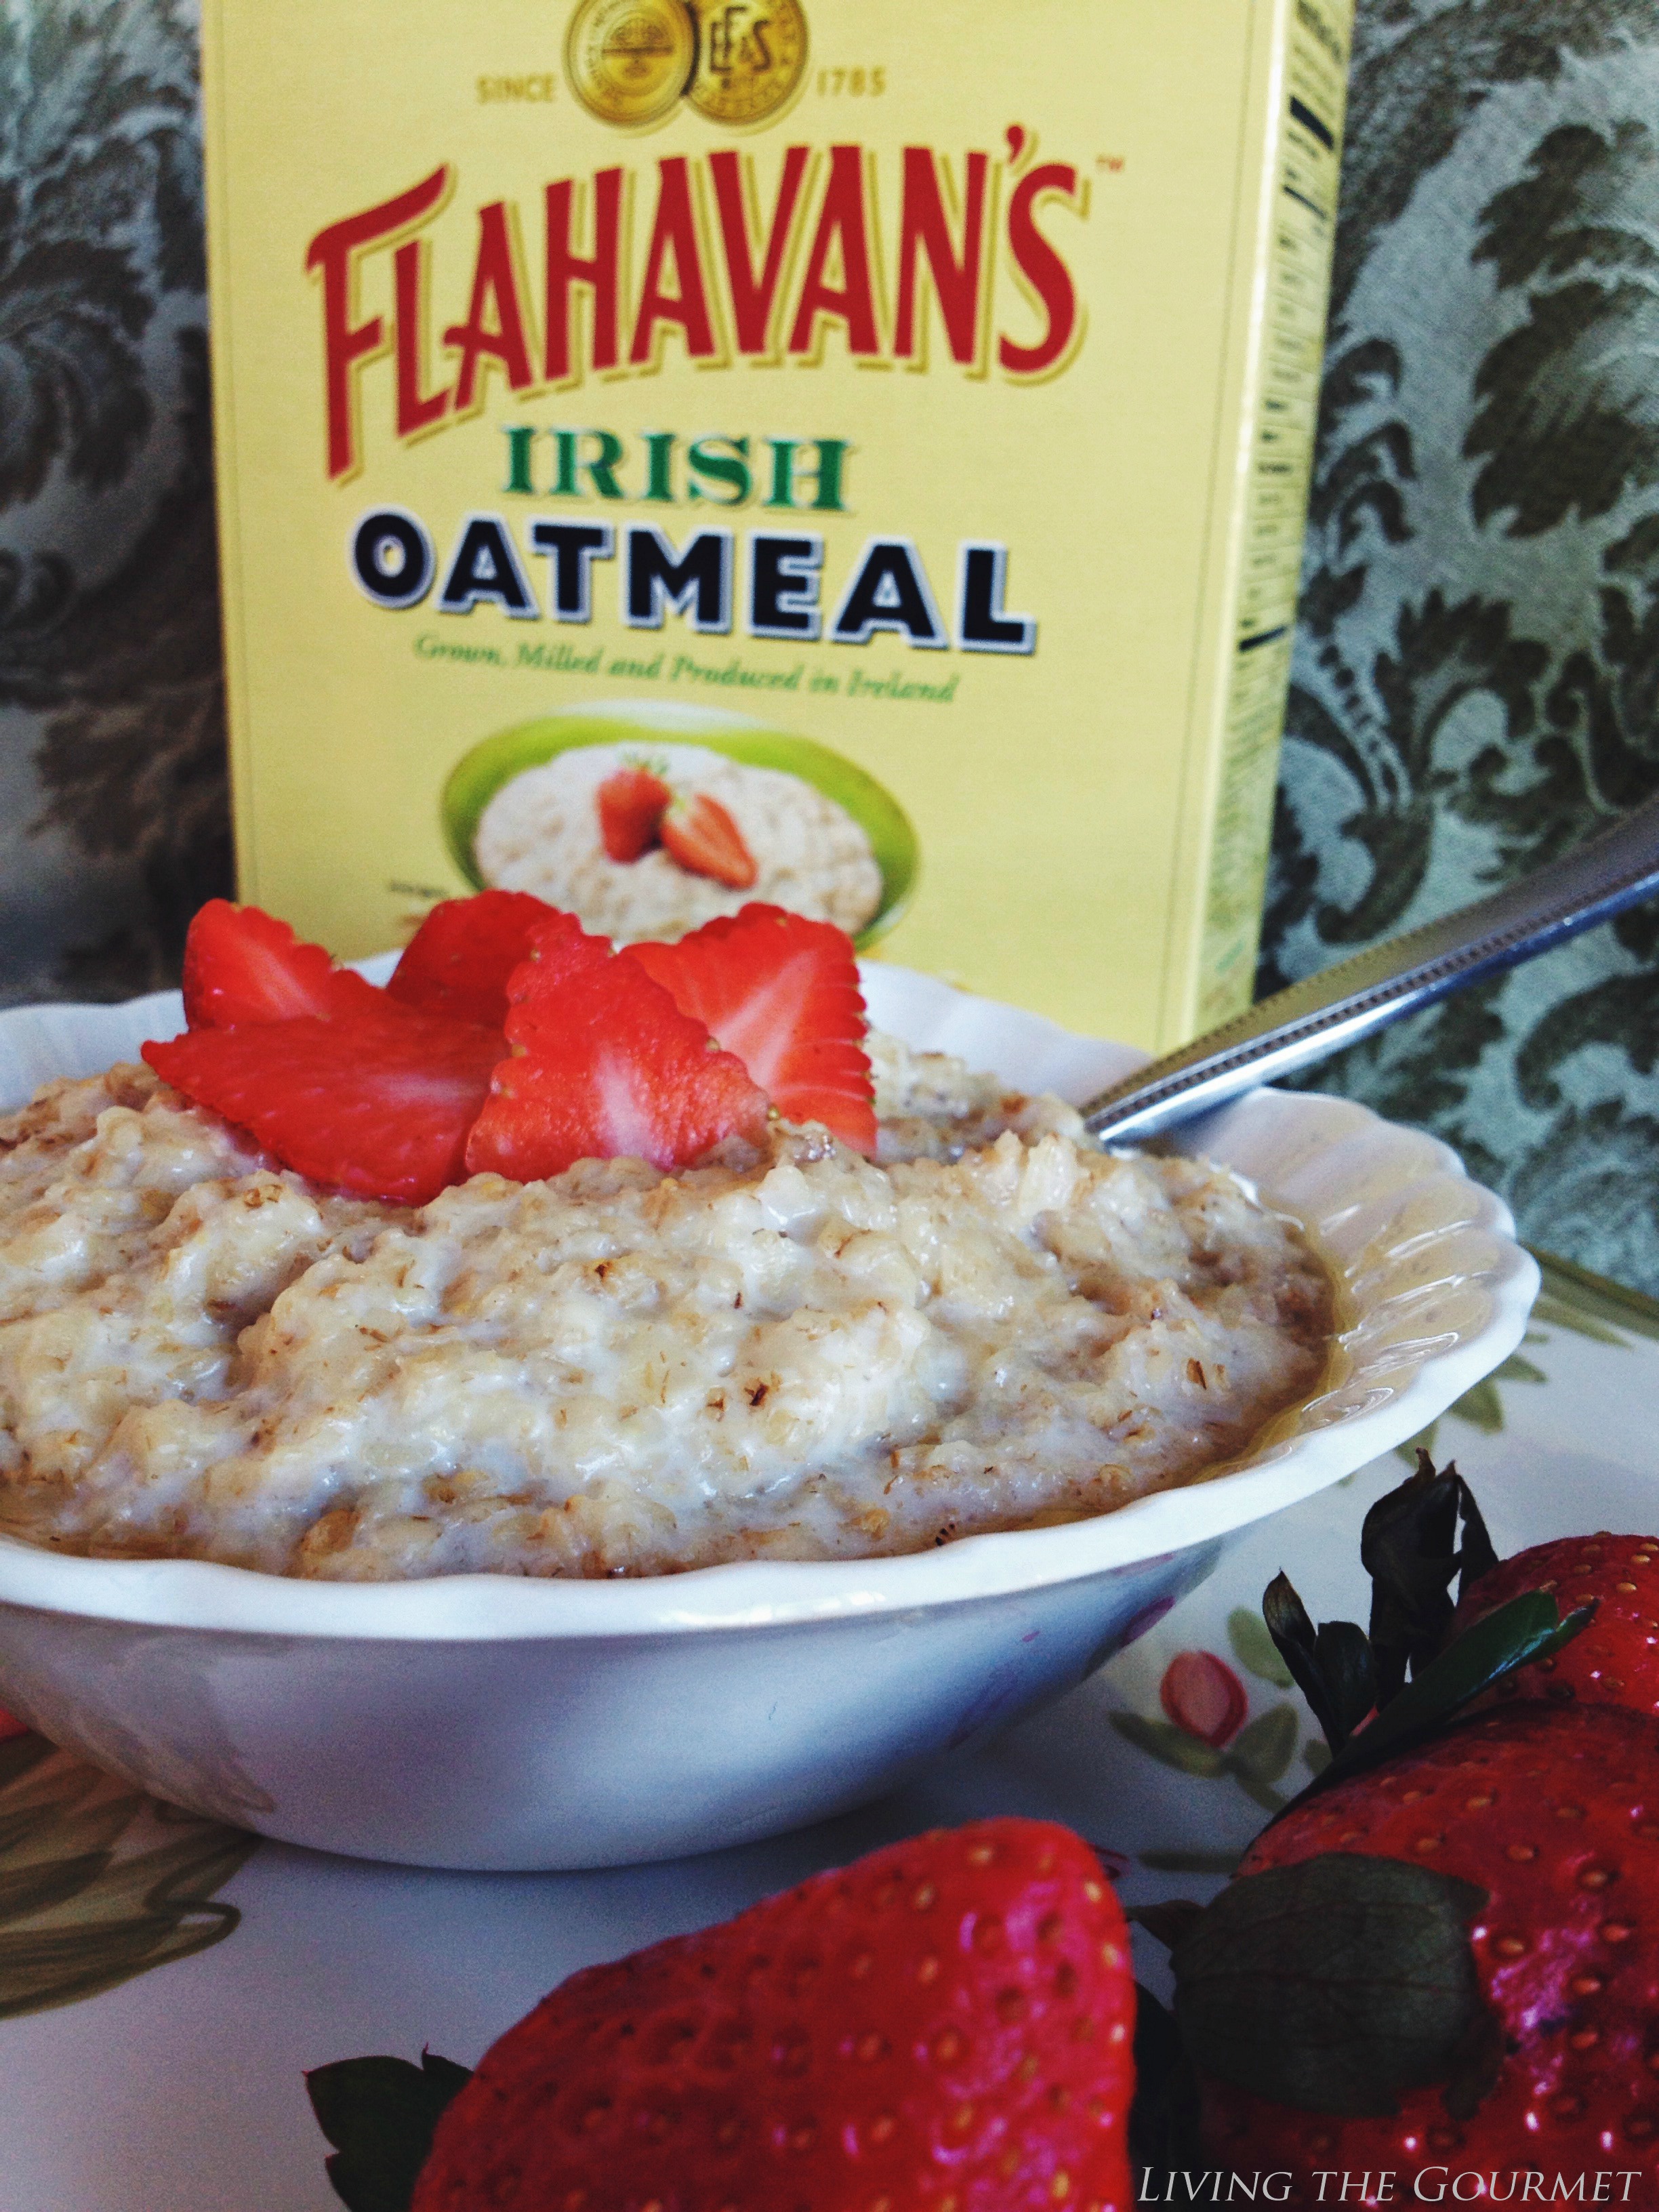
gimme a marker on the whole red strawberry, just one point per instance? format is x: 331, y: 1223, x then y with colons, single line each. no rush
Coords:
x: 1555, y: 1814
x: 945, y: 2026
x: 1614, y: 1661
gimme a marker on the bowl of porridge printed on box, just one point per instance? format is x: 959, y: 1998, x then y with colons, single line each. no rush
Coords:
x: 649, y: 818
x: 627, y: 1510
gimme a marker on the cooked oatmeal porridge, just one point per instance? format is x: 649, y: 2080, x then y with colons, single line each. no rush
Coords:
x: 540, y: 834
x: 797, y: 1353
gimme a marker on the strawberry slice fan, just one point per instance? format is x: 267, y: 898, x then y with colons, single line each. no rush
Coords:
x: 509, y: 1039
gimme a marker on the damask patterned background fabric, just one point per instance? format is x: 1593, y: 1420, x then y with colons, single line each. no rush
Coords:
x: 1478, y: 667
x: 113, y: 819
x: 1478, y: 659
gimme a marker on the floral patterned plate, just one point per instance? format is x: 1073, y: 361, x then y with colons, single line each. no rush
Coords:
x: 164, y: 1982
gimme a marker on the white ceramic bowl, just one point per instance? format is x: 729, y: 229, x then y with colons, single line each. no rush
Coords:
x: 489, y: 1722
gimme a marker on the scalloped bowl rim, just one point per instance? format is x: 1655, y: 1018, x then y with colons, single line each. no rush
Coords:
x: 1278, y: 1471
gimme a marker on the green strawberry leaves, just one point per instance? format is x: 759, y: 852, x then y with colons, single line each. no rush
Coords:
x: 1529, y: 1627
x: 379, y: 2114
x: 1334, y: 1984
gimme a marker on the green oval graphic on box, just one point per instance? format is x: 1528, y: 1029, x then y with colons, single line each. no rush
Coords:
x: 647, y: 727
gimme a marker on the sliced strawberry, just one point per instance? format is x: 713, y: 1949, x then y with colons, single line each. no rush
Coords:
x: 458, y: 960
x: 782, y: 994
x: 241, y: 964
x: 632, y: 804
x: 607, y: 1068
x: 379, y: 1105
x: 702, y: 837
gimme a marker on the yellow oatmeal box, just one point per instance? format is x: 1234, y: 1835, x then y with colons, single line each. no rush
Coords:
x: 678, y: 452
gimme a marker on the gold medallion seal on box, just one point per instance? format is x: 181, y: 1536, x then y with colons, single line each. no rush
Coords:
x: 629, y: 60
x: 752, y: 57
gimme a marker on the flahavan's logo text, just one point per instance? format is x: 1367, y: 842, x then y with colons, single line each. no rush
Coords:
x: 722, y: 279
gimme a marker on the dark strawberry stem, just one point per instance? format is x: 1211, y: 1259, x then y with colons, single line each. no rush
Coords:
x: 1356, y: 1684
x: 1408, y: 1545
x: 1526, y: 1629
x: 1168, y: 1919
x: 1334, y: 1983
x: 379, y: 2114
x: 1331, y: 1664
x: 1266, y: 1974
x: 1164, y: 2146
x: 1333, y: 1986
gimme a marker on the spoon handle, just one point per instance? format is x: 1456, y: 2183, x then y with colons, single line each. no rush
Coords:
x: 1617, y: 868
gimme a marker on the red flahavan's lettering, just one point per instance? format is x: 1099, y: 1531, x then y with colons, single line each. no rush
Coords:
x: 1044, y: 271
x: 718, y: 266
x: 345, y: 343
x: 566, y: 267
x: 843, y: 223
x: 674, y: 238
x: 753, y: 297
x: 924, y: 228
x: 494, y: 325
x: 416, y: 409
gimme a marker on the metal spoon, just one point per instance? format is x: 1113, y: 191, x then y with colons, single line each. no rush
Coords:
x: 1617, y: 868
